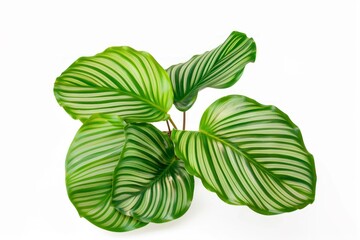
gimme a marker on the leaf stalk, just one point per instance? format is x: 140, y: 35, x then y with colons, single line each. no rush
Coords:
x: 172, y: 123
x: 184, y: 120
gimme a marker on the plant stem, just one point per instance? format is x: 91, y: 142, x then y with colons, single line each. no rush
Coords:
x: 168, y: 125
x: 184, y: 119
x: 172, y: 123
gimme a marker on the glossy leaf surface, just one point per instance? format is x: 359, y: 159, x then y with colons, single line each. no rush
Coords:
x: 250, y: 154
x: 218, y: 68
x: 90, y: 163
x: 150, y: 183
x: 119, y: 81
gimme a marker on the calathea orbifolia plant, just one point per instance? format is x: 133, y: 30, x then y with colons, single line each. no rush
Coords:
x: 122, y: 172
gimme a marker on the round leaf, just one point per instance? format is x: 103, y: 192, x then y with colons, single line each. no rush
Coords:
x: 90, y: 163
x: 218, y: 68
x: 250, y: 154
x: 150, y: 184
x: 119, y: 81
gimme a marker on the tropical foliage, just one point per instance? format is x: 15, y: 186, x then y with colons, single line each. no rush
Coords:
x: 123, y: 173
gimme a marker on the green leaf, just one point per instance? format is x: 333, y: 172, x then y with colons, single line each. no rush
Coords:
x: 119, y: 81
x: 90, y: 163
x: 150, y: 184
x: 218, y: 68
x: 249, y: 154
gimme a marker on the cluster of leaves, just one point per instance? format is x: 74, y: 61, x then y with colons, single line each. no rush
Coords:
x: 122, y: 172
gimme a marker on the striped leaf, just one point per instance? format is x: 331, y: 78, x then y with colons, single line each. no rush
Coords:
x: 90, y: 163
x: 119, y: 81
x: 218, y: 68
x: 150, y: 184
x: 249, y: 154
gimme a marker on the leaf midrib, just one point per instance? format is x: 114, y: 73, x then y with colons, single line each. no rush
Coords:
x: 251, y: 160
x: 197, y: 87
x: 120, y: 91
x: 150, y: 184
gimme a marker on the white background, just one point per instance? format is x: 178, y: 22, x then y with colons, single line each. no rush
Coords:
x: 306, y: 65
